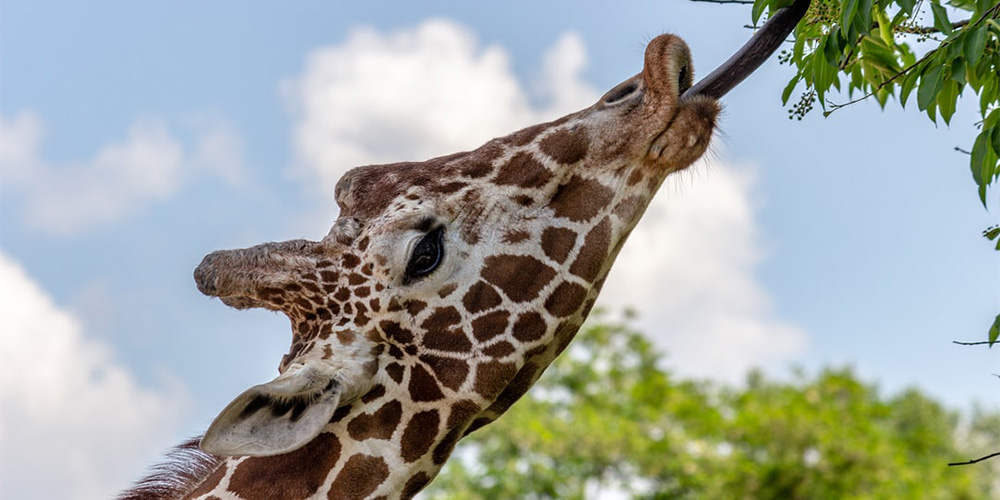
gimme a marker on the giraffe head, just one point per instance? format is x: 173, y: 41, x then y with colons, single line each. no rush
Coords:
x: 449, y: 285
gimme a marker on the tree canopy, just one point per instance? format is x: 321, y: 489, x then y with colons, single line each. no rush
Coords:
x: 929, y: 53
x: 606, y: 417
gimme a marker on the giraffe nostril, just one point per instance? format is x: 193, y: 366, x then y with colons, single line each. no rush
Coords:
x: 683, y: 78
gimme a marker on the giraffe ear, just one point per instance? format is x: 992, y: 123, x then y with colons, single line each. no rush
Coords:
x: 277, y: 417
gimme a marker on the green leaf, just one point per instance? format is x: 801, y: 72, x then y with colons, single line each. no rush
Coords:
x: 788, y: 89
x: 882, y: 96
x: 757, y: 10
x: 930, y: 85
x: 995, y: 141
x: 884, y: 26
x: 995, y: 330
x: 906, y: 5
x: 987, y: 95
x: 984, y: 164
x: 909, y: 81
x: 971, y: 76
x: 992, y: 119
x: 850, y: 8
x: 976, y: 160
x: 831, y: 49
x: 958, y: 70
x: 946, y: 100
x: 975, y: 42
x: 863, y: 17
x: 941, y: 21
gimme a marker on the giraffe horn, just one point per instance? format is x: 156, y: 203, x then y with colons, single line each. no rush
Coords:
x: 752, y: 54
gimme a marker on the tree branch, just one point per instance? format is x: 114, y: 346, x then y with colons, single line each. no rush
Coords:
x: 923, y: 30
x: 970, y: 343
x: 746, y: 2
x: 980, y: 459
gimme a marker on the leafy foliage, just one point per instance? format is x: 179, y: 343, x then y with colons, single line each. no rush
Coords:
x: 605, y: 417
x: 871, y: 47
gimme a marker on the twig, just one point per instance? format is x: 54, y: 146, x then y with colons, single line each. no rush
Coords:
x: 747, y: 2
x: 990, y: 13
x: 970, y: 343
x: 960, y: 150
x: 926, y: 30
x: 980, y: 459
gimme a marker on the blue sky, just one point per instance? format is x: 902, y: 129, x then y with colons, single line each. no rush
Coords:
x: 138, y: 137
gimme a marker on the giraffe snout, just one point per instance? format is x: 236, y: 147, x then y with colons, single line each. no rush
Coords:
x: 204, y: 276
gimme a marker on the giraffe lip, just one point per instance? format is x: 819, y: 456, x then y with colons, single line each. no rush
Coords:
x: 240, y: 302
x: 752, y: 54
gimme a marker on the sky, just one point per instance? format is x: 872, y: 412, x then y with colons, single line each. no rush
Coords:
x: 136, y: 137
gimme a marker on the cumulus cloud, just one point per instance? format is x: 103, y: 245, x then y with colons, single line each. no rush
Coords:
x: 433, y: 90
x: 150, y: 165
x: 74, y: 423
x: 688, y: 269
x: 418, y: 93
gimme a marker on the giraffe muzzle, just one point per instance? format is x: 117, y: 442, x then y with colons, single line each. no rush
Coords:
x: 250, y: 277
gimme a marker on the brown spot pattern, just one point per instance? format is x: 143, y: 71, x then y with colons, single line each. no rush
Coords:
x: 580, y: 199
x: 565, y: 299
x: 378, y: 425
x: 519, y: 385
x: 448, y: 340
x: 415, y: 484
x: 499, y: 350
x: 529, y: 326
x: 480, y: 297
x: 450, y: 372
x: 295, y: 475
x: 525, y: 135
x: 419, y: 435
x: 566, y: 146
x: 395, y: 371
x: 516, y: 236
x: 523, y: 170
x: 462, y: 411
x: 492, y: 377
x: 447, y: 289
x: 395, y: 332
x: 589, y: 262
x: 521, y: 277
x: 443, y: 318
x: 376, y: 392
x: 558, y: 242
x: 490, y: 325
x: 423, y: 386
x: 443, y: 450
x: 361, y: 475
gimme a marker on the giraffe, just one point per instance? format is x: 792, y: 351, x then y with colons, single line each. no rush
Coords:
x: 440, y: 294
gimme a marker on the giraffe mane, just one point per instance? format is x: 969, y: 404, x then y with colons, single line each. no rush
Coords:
x: 185, y: 467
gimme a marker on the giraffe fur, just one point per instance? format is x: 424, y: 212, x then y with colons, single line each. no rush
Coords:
x: 441, y: 293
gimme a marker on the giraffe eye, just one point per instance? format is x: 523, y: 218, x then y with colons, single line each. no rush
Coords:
x: 426, y: 256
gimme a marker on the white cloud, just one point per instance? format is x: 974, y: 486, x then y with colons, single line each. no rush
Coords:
x: 418, y: 93
x: 432, y: 90
x: 688, y: 269
x: 149, y: 166
x: 74, y: 424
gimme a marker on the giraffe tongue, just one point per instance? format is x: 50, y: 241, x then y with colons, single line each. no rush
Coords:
x: 753, y: 53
